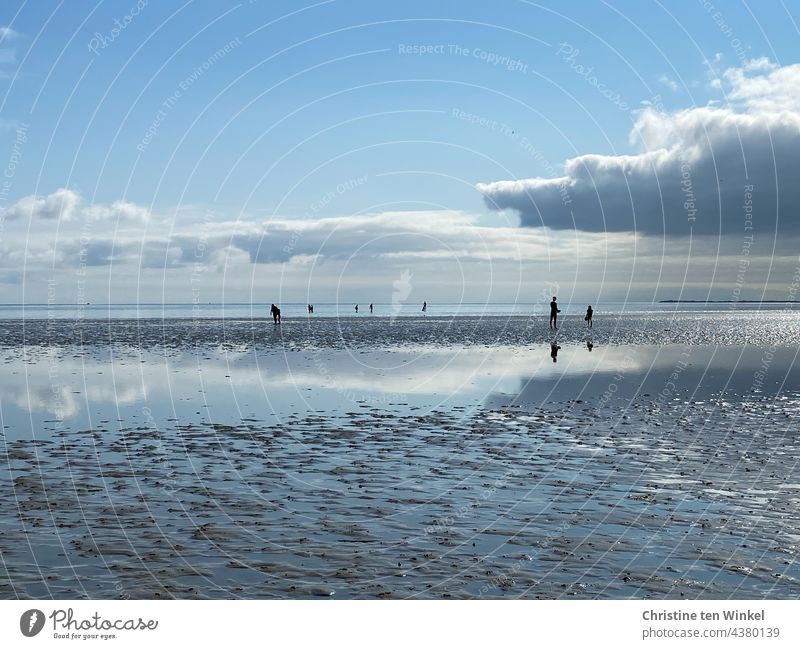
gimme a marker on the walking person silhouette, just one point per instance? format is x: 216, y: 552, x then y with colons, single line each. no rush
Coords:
x: 588, y: 317
x: 554, y: 311
x: 370, y: 308
x: 276, y: 314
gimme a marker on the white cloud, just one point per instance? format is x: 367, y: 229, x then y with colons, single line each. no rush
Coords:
x: 64, y: 204
x: 668, y: 82
x: 8, y: 55
x: 118, y: 210
x: 8, y: 34
x: 228, y: 258
x: 691, y: 171
x: 765, y: 87
x: 61, y: 204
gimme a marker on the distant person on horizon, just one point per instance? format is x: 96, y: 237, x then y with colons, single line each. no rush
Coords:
x: 310, y: 309
x: 276, y: 314
x: 554, y: 347
x: 554, y: 311
x: 424, y: 307
x: 356, y: 308
x: 370, y: 307
x: 588, y: 317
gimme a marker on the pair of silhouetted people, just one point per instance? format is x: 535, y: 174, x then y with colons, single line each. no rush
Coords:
x: 311, y: 308
x: 554, y: 347
x: 276, y: 314
x: 554, y: 311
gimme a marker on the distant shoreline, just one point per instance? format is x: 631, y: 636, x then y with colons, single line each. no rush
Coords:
x: 727, y: 301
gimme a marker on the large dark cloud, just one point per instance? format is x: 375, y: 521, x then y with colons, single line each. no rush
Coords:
x: 693, y: 174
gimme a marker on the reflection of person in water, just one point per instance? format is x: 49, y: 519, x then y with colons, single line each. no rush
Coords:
x: 554, y: 311
x: 588, y: 317
x: 276, y: 314
x: 589, y: 344
x: 554, y: 347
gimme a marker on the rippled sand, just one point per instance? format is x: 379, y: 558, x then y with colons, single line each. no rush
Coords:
x: 212, y: 466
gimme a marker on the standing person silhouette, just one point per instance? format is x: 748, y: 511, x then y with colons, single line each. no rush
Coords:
x: 370, y: 307
x: 356, y: 308
x: 588, y: 317
x: 424, y: 307
x: 276, y: 314
x: 554, y: 311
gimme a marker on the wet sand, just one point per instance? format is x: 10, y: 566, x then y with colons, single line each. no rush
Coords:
x: 722, y: 327
x: 354, y: 459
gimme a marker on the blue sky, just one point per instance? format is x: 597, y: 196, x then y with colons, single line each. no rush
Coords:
x: 306, y: 99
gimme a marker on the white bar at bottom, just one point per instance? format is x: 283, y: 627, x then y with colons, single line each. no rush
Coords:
x: 353, y: 624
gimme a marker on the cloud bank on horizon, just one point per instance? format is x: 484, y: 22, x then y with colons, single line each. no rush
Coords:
x: 700, y: 170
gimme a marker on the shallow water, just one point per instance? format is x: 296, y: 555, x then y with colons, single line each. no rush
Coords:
x: 350, y: 460
x: 392, y: 310
x: 779, y: 327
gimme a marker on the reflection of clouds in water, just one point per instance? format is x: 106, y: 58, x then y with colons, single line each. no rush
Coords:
x: 447, y: 370
x: 418, y: 370
x: 395, y: 373
x: 35, y: 387
x: 691, y: 373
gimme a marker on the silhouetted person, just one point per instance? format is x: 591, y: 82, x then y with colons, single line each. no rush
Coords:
x: 370, y: 308
x: 356, y: 308
x: 276, y: 314
x: 424, y: 307
x: 554, y: 311
x: 588, y: 317
x: 310, y: 310
x: 554, y: 347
